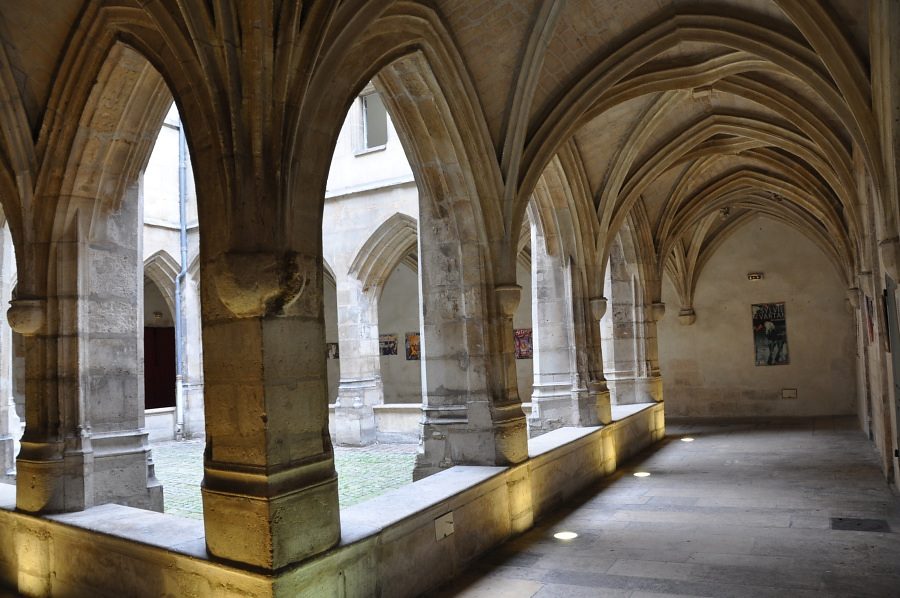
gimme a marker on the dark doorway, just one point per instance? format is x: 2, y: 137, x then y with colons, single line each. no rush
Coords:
x: 159, y: 367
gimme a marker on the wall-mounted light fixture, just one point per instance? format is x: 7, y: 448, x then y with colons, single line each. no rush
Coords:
x: 754, y: 275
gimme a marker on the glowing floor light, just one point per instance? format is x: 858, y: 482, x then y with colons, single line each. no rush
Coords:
x: 642, y: 474
x: 565, y: 535
x: 687, y: 439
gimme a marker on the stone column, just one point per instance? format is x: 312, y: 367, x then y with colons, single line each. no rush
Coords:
x: 84, y: 442
x: 644, y: 383
x: 562, y: 396
x: 551, y: 400
x: 55, y: 464
x: 509, y: 426
x: 649, y: 385
x: 112, y: 370
x: 631, y: 359
x: 360, y: 386
x: 269, y: 487
x: 595, y: 407
x: 465, y: 419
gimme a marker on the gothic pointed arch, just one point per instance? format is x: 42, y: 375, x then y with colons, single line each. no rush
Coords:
x: 387, y: 247
x: 162, y: 269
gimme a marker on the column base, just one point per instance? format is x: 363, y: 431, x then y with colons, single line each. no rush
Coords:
x: 449, y: 437
x: 629, y: 391
x: 354, y: 418
x: 259, y: 520
x: 551, y: 408
x: 510, y: 435
x: 354, y: 426
x: 48, y: 481
x: 123, y: 471
x: 592, y: 406
x: 557, y: 406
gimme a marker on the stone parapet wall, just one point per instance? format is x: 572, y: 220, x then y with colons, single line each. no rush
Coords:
x: 397, y: 423
x: 163, y: 555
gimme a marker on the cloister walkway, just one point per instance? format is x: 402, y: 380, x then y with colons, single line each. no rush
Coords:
x: 745, y: 509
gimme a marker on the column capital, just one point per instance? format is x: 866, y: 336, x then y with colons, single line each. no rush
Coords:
x: 26, y: 315
x: 598, y: 307
x: 257, y: 283
x: 853, y: 294
x: 687, y: 316
x: 508, y: 298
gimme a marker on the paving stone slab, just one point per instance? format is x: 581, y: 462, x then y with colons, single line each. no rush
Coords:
x: 743, y: 511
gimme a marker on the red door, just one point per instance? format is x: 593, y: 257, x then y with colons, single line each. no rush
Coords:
x: 159, y: 367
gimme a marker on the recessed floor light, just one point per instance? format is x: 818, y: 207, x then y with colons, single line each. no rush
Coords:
x: 687, y: 439
x: 565, y: 535
x: 642, y: 474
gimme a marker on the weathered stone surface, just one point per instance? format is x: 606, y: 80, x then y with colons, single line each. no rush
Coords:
x: 639, y: 138
x: 489, y: 505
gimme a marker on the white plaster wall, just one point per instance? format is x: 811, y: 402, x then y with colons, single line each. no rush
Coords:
x: 349, y: 220
x: 161, y: 178
x: 708, y: 368
x: 398, y: 313
x: 352, y: 171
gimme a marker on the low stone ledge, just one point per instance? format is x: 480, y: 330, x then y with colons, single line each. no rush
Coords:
x: 113, y: 550
x: 620, y: 412
x: 397, y: 423
x: 567, y: 437
x: 436, y: 493
x: 147, y: 527
x: 567, y: 460
x: 557, y: 440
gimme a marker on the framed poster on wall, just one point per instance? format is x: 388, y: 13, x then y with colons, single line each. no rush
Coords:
x: 770, y: 334
x: 413, y: 346
x: 387, y: 344
x: 523, y: 343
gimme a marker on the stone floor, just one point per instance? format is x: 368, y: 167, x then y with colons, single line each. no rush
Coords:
x: 742, y: 511
x: 363, y: 473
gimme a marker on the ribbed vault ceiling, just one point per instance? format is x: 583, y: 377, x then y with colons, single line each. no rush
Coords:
x: 673, y: 120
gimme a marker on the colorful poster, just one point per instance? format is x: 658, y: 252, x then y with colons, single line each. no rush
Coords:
x: 413, y: 352
x: 770, y: 334
x: 332, y: 351
x: 388, y: 344
x: 524, y: 346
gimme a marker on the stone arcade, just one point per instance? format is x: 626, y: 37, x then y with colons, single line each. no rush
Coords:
x: 603, y: 173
